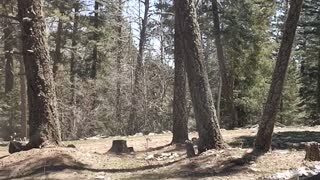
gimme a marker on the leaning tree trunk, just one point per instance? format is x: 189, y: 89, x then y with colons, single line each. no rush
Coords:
x: 230, y: 115
x: 180, y: 115
x: 205, y: 114
x: 43, y: 121
x: 264, y: 136
x: 133, y: 124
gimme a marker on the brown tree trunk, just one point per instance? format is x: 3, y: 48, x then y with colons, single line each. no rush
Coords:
x: 119, y: 58
x: 43, y: 121
x: 24, y: 99
x: 264, y: 136
x: 136, y: 102
x: 205, y: 114
x: 230, y: 115
x: 180, y: 115
x: 58, y: 41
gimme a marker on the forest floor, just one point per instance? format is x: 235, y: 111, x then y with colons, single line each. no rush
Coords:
x: 154, y: 159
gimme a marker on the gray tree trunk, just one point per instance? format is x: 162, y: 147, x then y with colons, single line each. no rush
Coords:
x: 133, y: 124
x: 266, y: 126
x: 119, y: 59
x: 24, y: 99
x: 230, y: 116
x: 180, y: 114
x: 205, y: 114
x: 43, y: 121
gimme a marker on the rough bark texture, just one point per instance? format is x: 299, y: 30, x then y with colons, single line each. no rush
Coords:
x: 205, y: 114
x: 43, y: 121
x: 24, y: 99
x: 180, y: 115
x: 119, y: 58
x: 266, y: 126
x: 136, y: 103
x: 230, y: 115
x: 312, y: 151
x: 58, y: 41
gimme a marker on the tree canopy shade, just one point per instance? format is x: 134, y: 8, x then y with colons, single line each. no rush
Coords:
x: 266, y: 126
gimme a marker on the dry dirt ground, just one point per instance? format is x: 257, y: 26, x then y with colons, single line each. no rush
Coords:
x: 153, y: 159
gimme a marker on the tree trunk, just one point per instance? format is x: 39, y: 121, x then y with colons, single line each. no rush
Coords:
x: 264, y: 136
x: 180, y: 115
x: 8, y: 50
x: 119, y: 58
x: 318, y: 88
x: 24, y: 99
x: 57, y: 54
x: 43, y: 121
x: 205, y: 113
x: 133, y: 124
x: 230, y: 115
x: 73, y: 65
x: 93, y: 71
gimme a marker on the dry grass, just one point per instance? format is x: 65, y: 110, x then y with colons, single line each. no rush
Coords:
x: 90, y: 160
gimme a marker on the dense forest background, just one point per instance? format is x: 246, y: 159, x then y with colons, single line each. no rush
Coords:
x: 95, y: 48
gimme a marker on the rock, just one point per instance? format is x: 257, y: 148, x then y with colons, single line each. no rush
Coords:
x: 138, y: 134
x: 151, y: 134
x: 149, y: 157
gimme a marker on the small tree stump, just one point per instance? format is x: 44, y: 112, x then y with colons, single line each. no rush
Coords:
x: 120, y: 146
x: 312, y: 151
x: 190, y: 149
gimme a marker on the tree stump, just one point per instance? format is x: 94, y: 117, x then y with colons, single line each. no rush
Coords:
x: 190, y: 149
x: 120, y: 146
x: 312, y: 151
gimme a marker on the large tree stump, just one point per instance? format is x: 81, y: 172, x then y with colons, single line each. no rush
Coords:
x: 312, y: 151
x: 120, y: 146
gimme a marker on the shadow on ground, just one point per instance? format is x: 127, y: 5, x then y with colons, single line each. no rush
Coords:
x: 281, y: 140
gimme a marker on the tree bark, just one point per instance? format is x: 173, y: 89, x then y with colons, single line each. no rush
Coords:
x: 133, y: 124
x: 24, y: 99
x: 43, y: 123
x: 230, y: 115
x: 205, y: 114
x: 180, y: 115
x: 266, y: 126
